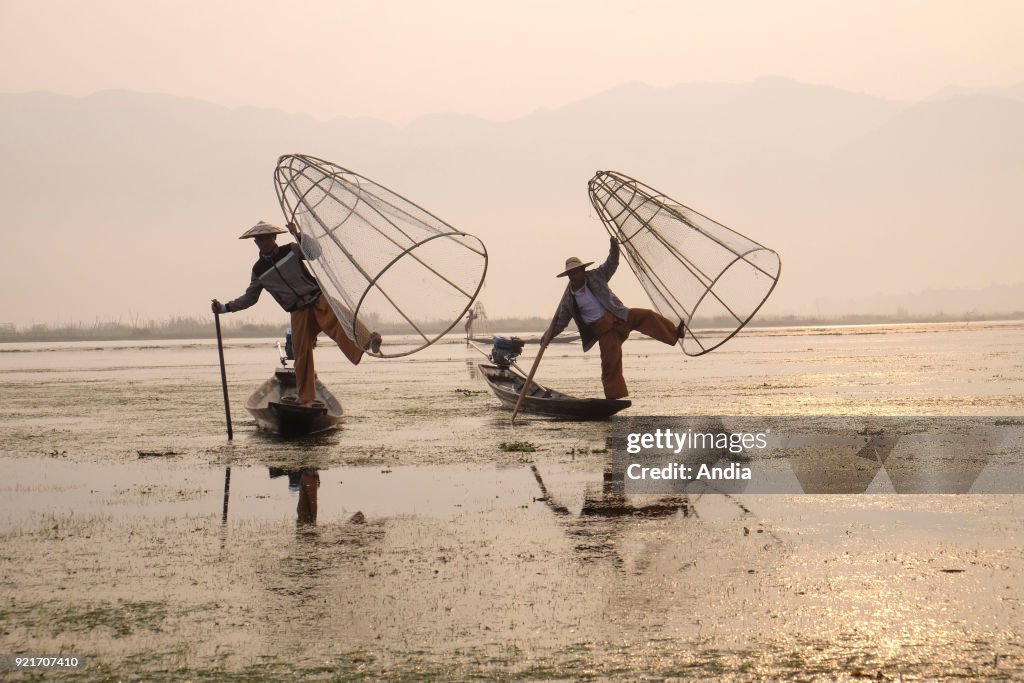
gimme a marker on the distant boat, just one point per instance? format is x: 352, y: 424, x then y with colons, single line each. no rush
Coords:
x: 478, y: 329
x: 563, y: 338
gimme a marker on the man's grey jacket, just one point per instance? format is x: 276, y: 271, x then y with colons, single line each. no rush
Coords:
x: 597, y: 282
x: 282, y: 274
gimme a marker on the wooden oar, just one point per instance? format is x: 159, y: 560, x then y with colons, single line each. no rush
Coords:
x: 223, y: 374
x: 536, y: 362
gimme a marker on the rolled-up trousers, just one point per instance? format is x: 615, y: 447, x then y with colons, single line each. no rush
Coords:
x: 612, y: 331
x: 307, y: 323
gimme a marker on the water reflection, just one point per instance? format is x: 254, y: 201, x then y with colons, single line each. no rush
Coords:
x: 224, y: 511
x: 306, y: 482
x: 599, y: 530
x: 308, y: 580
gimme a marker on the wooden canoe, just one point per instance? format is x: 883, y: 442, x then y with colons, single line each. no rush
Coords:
x: 507, y: 383
x: 273, y: 405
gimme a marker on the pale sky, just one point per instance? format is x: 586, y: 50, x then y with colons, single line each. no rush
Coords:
x: 397, y: 60
x: 401, y: 59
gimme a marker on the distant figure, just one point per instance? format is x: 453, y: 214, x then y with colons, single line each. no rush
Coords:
x: 470, y: 317
x: 281, y: 272
x: 602, y: 319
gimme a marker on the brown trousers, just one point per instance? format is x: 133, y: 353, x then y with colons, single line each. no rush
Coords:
x: 611, y: 332
x: 307, y: 323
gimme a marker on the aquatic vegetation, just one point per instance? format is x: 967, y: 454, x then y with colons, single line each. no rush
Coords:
x: 517, y: 447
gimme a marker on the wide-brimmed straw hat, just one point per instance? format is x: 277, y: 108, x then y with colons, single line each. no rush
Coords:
x: 261, y: 228
x: 573, y: 263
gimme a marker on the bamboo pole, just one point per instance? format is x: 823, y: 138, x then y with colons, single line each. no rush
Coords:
x: 536, y: 362
x: 223, y: 375
x: 227, y: 491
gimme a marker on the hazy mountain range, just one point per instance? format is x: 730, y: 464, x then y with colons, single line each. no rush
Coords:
x: 125, y: 203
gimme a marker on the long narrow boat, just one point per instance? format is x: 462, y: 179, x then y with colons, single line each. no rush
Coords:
x: 563, y: 338
x: 506, y: 384
x: 274, y: 406
x: 478, y: 329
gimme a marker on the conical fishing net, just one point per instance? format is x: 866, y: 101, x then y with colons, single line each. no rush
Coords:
x: 386, y: 265
x: 695, y: 270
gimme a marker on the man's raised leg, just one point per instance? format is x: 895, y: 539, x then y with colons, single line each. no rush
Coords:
x: 330, y: 324
x: 653, y: 324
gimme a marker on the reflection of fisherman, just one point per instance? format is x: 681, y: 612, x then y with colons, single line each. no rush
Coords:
x: 280, y: 271
x: 607, y: 540
x: 602, y: 319
x: 307, y: 482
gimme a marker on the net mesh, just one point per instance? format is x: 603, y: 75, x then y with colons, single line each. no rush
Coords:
x: 386, y: 265
x: 695, y: 270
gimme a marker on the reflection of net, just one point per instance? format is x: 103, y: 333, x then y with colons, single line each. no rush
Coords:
x: 695, y: 270
x: 386, y: 264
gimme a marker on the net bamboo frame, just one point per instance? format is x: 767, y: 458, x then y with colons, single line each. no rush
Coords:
x: 380, y: 258
x: 695, y: 270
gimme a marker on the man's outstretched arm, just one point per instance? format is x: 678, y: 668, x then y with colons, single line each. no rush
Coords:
x: 611, y: 264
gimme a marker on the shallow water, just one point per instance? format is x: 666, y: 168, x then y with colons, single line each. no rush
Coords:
x: 133, y: 534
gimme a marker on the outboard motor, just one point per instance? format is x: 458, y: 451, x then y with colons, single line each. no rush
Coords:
x: 505, y: 351
x: 288, y: 350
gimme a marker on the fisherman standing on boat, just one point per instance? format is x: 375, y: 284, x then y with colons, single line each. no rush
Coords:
x: 602, y: 319
x: 280, y: 271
